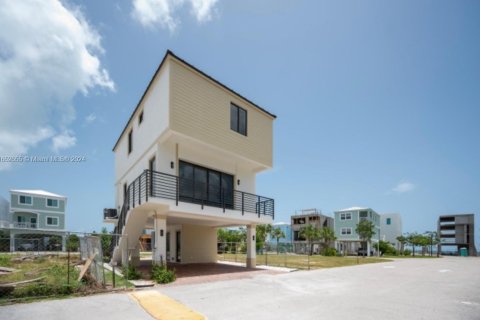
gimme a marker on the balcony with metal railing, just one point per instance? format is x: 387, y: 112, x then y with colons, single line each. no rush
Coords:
x: 152, y: 184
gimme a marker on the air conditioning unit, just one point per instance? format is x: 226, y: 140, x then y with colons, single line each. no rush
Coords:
x: 110, y: 213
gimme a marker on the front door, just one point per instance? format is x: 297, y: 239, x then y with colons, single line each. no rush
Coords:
x: 179, y: 246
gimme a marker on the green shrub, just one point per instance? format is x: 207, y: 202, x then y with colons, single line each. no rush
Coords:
x: 5, y: 260
x: 131, y: 273
x: 407, y: 252
x: 162, y: 275
x: 73, y: 242
x: 42, y: 290
x: 329, y: 252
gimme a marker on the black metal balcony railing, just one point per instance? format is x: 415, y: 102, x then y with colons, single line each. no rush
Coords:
x: 154, y: 184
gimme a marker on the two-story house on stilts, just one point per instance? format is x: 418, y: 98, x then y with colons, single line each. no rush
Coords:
x: 185, y: 165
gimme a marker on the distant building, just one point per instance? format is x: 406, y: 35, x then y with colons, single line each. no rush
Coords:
x: 34, y: 217
x: 391, y: 228
x: 287, y: 230
x: 457, y: 232
x: 346, y: 220
x: 300, y: 219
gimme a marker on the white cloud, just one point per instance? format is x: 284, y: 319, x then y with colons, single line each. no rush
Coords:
x: 202, y: 9
x: 12, y: 144
x: 152, y: 13
x: 63, y: 140
x: 90, y: 118
x: 403, y: 186
x: 48, y: 54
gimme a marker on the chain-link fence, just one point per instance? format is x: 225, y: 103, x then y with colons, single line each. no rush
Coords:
x: 41, y: 264
x: 297, y: 255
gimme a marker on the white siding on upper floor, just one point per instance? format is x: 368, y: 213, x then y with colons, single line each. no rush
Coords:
x: 155, y: 107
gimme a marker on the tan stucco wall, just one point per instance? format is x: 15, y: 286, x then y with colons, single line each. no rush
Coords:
x: 199, y: 244
x: 200, y: 108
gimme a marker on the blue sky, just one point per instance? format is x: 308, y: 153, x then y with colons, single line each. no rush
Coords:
x: 378, y: 102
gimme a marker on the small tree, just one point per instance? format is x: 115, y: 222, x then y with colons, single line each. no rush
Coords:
x: 433, y: 240
x: 365, y: 230
x: 262, y: 231
x: 73, y: 242
x: 277, y: 234
x: 402, y: 240
x: 327, y: 235
x: 385, y: 248
x: 415, y: 239
x: 310, y: 233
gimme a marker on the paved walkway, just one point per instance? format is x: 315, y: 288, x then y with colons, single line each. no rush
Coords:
x: 437, y: 289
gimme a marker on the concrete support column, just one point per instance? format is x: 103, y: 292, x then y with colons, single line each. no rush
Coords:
x: 64, y: 243
x: 160, y: 249
x: 368, y: 248
x: 12, y: 241
x: 251, y: 246
x: 124, y: 249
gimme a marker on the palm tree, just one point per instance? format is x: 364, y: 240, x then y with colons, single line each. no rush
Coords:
x: 402, y: 240
x: 365, y: 230
x: 277, y: 234
x: 310, y: 233
x: 262, y: 231
x: 327, y: 235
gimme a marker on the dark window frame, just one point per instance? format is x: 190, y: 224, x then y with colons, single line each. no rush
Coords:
x: 51, y: 205
x: 140, y: 118
x: 236, y: 125
x: 25, y: 200
x: 130, y: 141
x: 206, y: 198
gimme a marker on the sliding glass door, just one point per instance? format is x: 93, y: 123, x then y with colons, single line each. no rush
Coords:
x: 203, y: 185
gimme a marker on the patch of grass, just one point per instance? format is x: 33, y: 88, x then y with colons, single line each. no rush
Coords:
x: 131, y: 273
x: 119, y: 280
x: 412, y: 257
x: 5, y: 260
x: 302, y: 261
x: 52, y: 270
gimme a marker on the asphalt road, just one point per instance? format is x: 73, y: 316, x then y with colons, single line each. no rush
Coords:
x: 447, y: 288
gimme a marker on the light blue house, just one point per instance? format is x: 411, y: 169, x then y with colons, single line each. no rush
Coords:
x: 346, y: 221
x: 35, y: 220
x: 287, y: 230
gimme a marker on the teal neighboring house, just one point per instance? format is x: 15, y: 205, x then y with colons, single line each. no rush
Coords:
x: 35, y: 221
x: 345, y: 224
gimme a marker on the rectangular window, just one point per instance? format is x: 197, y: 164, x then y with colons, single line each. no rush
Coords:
x: 130, y: 142
x: 140, y: 118
x: 238, y: 119
x: 25, y: 200
x: 346, y: 231
x: 52, y: 203
x: 52, y: 221
x: 389, y: 221
x: 346, y: 216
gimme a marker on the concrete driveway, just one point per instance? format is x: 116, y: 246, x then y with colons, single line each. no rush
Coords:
x: 447, y: 288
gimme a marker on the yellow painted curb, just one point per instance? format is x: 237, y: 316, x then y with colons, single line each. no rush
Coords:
x: 162, y: 307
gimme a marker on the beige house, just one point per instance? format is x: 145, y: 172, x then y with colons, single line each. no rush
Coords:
x: 185, y: 165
